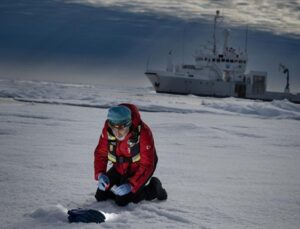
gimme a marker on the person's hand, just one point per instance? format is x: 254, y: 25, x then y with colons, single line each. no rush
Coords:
x: 103, y: 182
x: 123, y: 189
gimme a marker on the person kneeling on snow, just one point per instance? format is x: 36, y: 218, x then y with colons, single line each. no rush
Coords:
x: 128, y: 143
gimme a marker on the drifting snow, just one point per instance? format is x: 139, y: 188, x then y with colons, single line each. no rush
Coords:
x: 226, y: 163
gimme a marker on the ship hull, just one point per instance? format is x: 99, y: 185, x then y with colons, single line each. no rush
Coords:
x: 166, y: 82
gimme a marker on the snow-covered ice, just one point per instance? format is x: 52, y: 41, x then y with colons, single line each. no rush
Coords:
x: 226, y: 163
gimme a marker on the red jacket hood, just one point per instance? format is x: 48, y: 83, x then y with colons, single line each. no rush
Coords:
x: 135, y: 114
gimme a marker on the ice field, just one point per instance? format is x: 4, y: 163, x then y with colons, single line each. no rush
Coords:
x: 225, y: 163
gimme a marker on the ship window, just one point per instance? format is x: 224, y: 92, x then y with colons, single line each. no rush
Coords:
x: 244, y: 62
x: 231, y: 61
x: 223, y: 60
x: 227, y: 60
x: 187, y: 66
x: 240, y: 61
x: 213, y: 59
x: 205, y: 59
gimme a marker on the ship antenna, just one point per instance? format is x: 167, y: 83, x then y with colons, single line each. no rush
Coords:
x: 246, y: 40
x: 183, y: 44
x: 147, y: 64
x: 215, y: 27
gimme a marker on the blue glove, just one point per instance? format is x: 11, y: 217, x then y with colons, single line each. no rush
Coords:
x: 103, y: 182
x: 123, y: 189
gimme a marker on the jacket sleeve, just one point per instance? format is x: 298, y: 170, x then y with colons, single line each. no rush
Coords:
x: 100, y: 154
x: 147, y: 161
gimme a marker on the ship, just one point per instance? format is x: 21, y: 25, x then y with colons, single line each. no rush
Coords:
x: 218, y: 74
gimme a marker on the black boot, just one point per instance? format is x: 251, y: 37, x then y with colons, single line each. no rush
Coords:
x: 103, y: 195
x: 160, y: 192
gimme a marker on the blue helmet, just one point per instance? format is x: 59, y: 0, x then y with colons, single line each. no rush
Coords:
x: 119, y: 115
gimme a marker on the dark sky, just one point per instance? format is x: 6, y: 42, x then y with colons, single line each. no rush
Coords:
x: 68, y: 42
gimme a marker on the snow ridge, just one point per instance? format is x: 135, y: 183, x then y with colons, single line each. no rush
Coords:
x: 99, y: 96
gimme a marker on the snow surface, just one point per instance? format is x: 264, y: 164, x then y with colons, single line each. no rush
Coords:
x: 226, y: 163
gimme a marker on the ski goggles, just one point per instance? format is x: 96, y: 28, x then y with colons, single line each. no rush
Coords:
x: 119, y: 126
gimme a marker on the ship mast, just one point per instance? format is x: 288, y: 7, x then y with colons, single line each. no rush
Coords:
x: 214, y: 34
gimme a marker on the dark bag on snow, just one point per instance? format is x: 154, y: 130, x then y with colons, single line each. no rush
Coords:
x: 85, y: 216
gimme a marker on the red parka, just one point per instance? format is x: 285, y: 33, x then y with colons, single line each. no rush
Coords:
x: 138, y: 172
